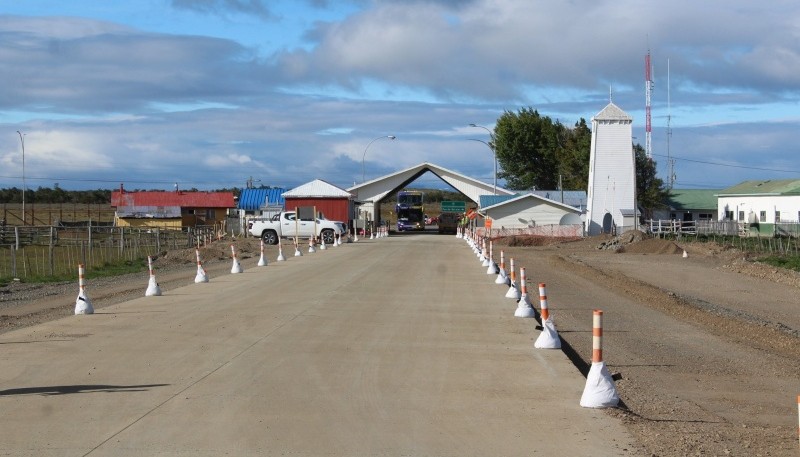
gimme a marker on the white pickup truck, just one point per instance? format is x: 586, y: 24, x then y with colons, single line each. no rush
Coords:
x: 285, y: 225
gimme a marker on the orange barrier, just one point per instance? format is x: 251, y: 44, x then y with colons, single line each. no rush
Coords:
x: 543, y: 302
x: 82, y: 304
x: 597, y: 336
x: 153, y: 289
x: 600, y: 391
x: 236, y: 267
x: 262, y: 261
x: 201, y: 273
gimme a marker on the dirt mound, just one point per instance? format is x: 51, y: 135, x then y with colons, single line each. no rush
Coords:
x: 213, y: 252
x: 652, y: 246
x: 531, y: 240
x: 638, y: 242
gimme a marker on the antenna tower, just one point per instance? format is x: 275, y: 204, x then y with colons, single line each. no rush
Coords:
x: 648, y: 87
x: 670, y: 160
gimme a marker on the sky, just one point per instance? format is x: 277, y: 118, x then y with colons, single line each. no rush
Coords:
x: 213, y: 94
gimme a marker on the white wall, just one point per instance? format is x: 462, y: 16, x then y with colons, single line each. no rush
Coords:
x: 526, y: 212
x: 789, y: 206
x: 612, y: 176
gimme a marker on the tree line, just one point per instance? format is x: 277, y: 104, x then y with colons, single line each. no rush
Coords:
x: 59, y: 195
x: 55, y: 195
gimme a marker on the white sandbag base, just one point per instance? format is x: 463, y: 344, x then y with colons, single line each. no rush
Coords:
x: 513, y: 292
x: 83, y: 305
x: 502, y: 277
x: 549, y: 338
x: 153, y: 290
x: 600, y: 391
x: 201, y: 275
x: 524, y: 308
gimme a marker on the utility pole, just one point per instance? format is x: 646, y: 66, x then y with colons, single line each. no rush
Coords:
x: 22, y: 140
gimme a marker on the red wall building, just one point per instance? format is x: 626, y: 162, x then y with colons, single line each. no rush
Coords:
x: 334, y: 202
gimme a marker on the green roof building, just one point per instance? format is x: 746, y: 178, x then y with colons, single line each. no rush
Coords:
x: 690, y: 205
x: 767, y: 207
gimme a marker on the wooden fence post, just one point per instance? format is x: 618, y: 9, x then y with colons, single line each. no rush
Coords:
x: 90, y: 241
x: 51, y: 259
x: 14, y: 261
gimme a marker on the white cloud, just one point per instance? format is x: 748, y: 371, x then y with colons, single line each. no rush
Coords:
x: 120, y: 101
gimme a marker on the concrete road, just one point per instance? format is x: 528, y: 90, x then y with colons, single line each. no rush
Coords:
x: 399, y: 346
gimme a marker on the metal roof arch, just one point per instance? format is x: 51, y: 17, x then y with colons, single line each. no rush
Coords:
x: 376, y: 190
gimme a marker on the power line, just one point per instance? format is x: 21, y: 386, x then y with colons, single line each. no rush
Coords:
x: 729, y: 165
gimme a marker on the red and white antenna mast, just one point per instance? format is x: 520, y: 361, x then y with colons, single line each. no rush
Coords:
x: 648, y: 87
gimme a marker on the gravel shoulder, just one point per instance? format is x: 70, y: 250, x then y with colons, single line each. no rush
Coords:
x: 705, y: 346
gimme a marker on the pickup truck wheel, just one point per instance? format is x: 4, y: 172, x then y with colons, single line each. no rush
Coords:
x: 269, y: 237
x: 328, y: 236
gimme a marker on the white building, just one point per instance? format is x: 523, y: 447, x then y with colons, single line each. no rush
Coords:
x: 530, y: 210
x: 612, y: 173
x: 761, y: 206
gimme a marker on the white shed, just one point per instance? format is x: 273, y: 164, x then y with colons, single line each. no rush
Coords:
x: 531, y: 210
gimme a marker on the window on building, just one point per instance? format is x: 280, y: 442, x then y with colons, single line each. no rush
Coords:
x: 777, y: 216
x: 704, y: 216
x: 741, y: 216
x: 762, y: 216
x: 729, y: 215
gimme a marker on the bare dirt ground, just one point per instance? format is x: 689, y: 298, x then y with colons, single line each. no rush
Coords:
x: 704, y: 348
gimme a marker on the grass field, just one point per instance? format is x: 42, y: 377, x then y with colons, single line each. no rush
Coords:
x: 53, y: 213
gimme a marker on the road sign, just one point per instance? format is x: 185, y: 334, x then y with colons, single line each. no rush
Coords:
x: 453, y: 207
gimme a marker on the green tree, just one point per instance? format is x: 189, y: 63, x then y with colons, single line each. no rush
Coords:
x: 536, y: 152
x: 574, y: 156
x: 650, y: 191
x: 526, y: 145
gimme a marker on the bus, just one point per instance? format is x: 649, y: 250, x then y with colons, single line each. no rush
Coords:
x: 410, y: 214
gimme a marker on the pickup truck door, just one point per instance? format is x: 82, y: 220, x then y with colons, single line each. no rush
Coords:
x: 288, y: 225
x: 290, y: 228
x: 306, y: 228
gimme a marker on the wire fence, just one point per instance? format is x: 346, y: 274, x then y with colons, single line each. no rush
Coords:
x: 38, y: 251
x: 779, y: 239
x: 574, y: 231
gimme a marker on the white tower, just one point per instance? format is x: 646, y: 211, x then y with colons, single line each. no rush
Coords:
x: 611, y: 205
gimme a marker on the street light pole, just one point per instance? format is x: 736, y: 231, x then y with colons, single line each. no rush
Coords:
x: 391, y: 137
x: 22, y: 140
x: 491, y: 146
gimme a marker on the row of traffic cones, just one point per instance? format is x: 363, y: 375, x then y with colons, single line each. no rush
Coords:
x: 381, y: 232
x: 83, y: 304
x: 599, y: 391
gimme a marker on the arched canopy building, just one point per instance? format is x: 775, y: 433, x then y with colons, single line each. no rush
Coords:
x: 370, y: 194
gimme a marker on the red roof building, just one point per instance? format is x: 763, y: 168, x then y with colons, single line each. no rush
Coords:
x: 176, y: 209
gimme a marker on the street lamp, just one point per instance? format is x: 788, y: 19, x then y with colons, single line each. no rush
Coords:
x: 22, y: 140
x: 491, y: 146
x: 391, y: 137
